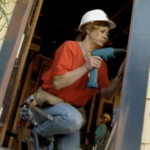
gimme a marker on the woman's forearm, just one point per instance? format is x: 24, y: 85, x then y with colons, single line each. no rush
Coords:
x: 68, y: 78
x: 108, y: 92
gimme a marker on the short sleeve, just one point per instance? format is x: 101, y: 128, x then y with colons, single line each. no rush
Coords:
x: 103, y: 76
x: 98, y: 130
x: 63, y: 60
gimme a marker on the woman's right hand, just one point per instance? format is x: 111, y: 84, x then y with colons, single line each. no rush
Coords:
x: 93, y: 62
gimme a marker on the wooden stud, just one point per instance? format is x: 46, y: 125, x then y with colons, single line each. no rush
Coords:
x: 16, y: 121
x: 35, y: 47
x: 91, y: 112
x: 47, y: 62
x: 127, y: 28
x: 37, y: 37
x: 100, y: 109
x: 41, y: 15
x: 121, y: 10
x: 90, y: 116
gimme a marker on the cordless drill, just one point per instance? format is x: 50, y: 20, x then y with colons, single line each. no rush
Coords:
x: 105, y: 54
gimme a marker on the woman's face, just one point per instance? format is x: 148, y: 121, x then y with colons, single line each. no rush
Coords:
x: 99, y: 36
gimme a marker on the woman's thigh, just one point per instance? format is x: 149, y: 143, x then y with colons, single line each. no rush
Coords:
x: 66, y: 120
x: 63, y: 110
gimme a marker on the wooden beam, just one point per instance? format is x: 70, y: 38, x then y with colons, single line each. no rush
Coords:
x: 90, y: 116
x: 100, y: 109
x: 16, y: 121
x: 41, y: 15
x: 116, y: 14
x: 45, y: 62
x: 126, y: 29
x: 99, y: 2
x: 44, y: 57
x: 121, y: 10
x: 35, y: 47
x: 37, y: 37
x: 91, y: 112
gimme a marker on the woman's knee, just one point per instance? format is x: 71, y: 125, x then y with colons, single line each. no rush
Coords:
x: 75, y: 123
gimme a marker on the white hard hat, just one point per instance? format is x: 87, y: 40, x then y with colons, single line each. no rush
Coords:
x: 95, y: 15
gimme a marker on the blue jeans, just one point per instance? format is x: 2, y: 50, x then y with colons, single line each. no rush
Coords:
x: 67, y: 123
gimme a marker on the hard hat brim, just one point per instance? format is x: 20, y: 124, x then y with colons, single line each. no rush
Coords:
x: 112, y: 25
x: 107, y: 116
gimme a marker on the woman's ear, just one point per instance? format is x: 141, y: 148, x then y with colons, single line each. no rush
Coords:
x: 87, y: 31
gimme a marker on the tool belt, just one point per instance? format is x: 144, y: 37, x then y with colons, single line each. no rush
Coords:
x: 39, y: 98
x: 42, y: 97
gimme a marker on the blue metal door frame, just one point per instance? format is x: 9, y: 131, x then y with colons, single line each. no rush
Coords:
x: 10, y: 41
x: 133, y: 97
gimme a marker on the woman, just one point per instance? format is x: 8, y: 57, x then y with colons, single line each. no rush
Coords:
x: 68, y: 76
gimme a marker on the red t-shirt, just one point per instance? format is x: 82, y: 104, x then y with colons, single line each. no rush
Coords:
x: 68, y: 57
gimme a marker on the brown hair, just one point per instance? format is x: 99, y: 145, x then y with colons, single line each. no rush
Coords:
x: 90, y: 26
